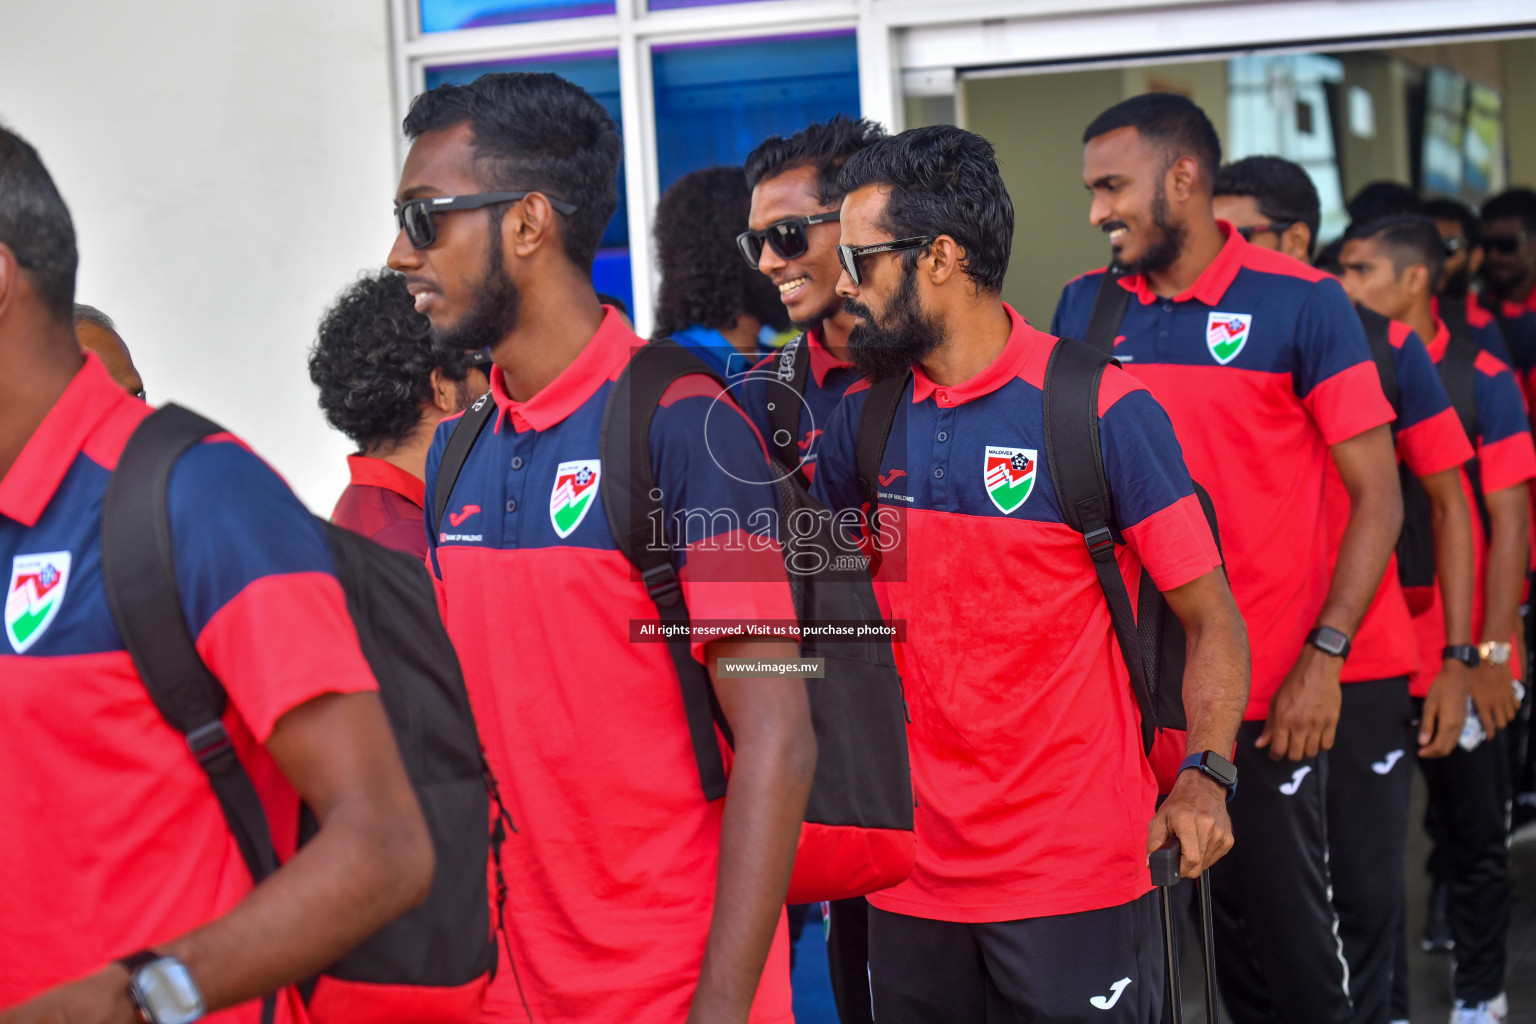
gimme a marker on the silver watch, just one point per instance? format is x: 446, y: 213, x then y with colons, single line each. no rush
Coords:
x: 162, y: 990
x: 1494, y: 652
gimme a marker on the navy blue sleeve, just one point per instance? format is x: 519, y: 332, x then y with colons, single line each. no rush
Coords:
x: 836, y: 484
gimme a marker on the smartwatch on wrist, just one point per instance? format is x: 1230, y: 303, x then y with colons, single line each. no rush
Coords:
x: 161, y: 989
x: 1329, y: 641
x: 1464, y: 653
x: 1214, y: 766
x: 1494, y: 652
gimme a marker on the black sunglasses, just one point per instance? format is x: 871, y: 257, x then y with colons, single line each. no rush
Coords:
x: 788, y: 238
x: 415, y: 215
x: 1508, y: 245
x: 848, y: 255
x: 1279, y: 227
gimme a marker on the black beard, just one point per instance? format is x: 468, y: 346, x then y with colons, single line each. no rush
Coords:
x: 496, y: 308
x: 883, y: 350
x: 826, y: 314
x: 1167, y: 249
x: 1457, y: 285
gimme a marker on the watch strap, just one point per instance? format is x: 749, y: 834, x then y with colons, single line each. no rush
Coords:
x: 1333, y: 642
x: 1467, y: 654
x: 135, y: 962
x: 1198, y: 762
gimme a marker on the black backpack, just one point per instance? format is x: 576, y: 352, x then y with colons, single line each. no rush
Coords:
x: 857, y: 836
x: 442, y: 948
x: 1458, y: 372
x: 1153, y: 642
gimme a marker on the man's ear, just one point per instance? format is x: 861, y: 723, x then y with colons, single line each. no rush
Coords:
x: 530, y: 225
x: 10, y: 278
x: 1296, y: 241
x: 945, y: 258
x: 1474, y: 260
x: 1416, y: 279
x: 1182, y: 178
x: 444, y: 394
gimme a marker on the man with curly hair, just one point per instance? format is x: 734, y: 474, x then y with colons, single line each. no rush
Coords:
x: 386, y: 385
x: 710, y: 302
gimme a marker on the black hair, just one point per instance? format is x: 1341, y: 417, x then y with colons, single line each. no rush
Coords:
x: 535, y: 131
x: 1283, y: 190
x: 373, y: 361
x: 1461, y: 213
x: 1172, y: 122
x: 1381, y: 199
x: 941, y: 180
x: 824, y: 145
x: 704, y: 280
x: 35, y: 224
x: 1409, y: 238
x: 84, y: 314
x: 1513, y: 204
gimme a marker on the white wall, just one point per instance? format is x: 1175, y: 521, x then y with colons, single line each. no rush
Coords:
x: 230, y: 167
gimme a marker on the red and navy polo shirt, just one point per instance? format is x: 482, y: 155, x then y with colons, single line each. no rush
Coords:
x: 1484, y: 329
x: 1505, y: 457
x: 384, y: 503
x: 1519, y: 325
x: 112, y: 839
x: 829, y: 378
x: 1262, y: 365
x: 1430, y: 440
x: 612, y: 867
x: 1033, y: 796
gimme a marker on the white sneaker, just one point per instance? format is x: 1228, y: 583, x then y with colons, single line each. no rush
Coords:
x: 1494, y: 1011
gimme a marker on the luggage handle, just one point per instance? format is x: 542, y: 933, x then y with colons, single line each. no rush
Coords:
x: 1163, y: 863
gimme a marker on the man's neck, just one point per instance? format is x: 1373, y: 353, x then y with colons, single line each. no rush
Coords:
x: 1421, y: 317
x: 974, y: 338
x: 1520, y: 293
x: 743, y: 337
x: 1203, y: 242
x: 556, y: 321
x: 411, y: 454
x: 834, y: 335
x: 37, y: 362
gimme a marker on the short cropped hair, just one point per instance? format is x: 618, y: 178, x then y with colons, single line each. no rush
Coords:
x: 91, y: 315
x: 824, y: 145
x: 1514, y: 204
x: 1283, y: 190
x: 35, y: 224
x: 704, y: 280
x: 1408, y: 238
x: 535, y: 131
x: 941, y: 180
x: 373, y: 361
x: 1173, y: 123
x: 1382, y: 199
x: 1461, y: 213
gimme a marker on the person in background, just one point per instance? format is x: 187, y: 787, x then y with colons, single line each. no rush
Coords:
x: 123, y: 882
x: 386, y: 385
x: 1370, y: 765
x: 1267, y: 376
x: 1393, y: 266
x: 722, y: 312
x: 1509, y: 246
x: 97, y: 333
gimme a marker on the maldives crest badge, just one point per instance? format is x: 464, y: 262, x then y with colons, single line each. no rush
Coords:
x: 33, y: 597
x: 1226, y: 334
x: 574, y: 495
x: 1010, y: 476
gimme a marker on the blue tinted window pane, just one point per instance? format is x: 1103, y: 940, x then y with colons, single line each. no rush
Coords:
x: 598, y: 73
x: 716, y: 101
x: 447, y: 15
x: 666, y: 5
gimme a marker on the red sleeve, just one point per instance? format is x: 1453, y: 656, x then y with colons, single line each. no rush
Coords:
x: 281, y: 641
x: 1349, y: 403
x: 1175, y: 544
x: 732, y: 581
x: 1507, y: 463
x: 1435, y: 444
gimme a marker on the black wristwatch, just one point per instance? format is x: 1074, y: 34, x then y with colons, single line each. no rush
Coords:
x: 1464, y: 653
x: 162, y: 990
x: 1329, y: 641
x: 1213, y: 765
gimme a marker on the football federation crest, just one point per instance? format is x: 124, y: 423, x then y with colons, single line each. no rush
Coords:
x: 1226, y: 334
x: 1010, y: 476
x: 33, y: 597
x: 575, y: 492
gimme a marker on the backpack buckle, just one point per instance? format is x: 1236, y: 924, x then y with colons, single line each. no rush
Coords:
x: 1101, y: 544
x: 661, y: 583
x: 211, y: 746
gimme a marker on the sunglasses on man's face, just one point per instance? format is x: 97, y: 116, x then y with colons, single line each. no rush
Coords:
x: 415, y: 216
x: 1507, y: 245
x: 788, y: 238
x: 849, y: 255
x: 1277, y: 227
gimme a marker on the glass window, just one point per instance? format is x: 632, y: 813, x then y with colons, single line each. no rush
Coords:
x: 667, y: 5
x: 598, y: 73
x: 447, y: 15
x: 716, y: 101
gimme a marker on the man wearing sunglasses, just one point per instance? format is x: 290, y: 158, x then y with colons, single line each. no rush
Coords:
x: 792, y: 239
x: 632, y: 897
x: 1035, y: 803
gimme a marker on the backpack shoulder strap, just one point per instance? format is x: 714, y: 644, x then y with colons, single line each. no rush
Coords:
x: 875, y: 421
x: 465, y: 433
x: 1076, y: 463
x: 1109, y: 306
x: 138, y: 570
x: 1458, y: 372
x: 1378, y: 333
x: 632, y: 503
x: 793, y: 364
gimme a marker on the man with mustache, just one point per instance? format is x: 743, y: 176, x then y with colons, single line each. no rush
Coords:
x: 1266, y: 373
x: 1035, y: 803
x: 633, y: 897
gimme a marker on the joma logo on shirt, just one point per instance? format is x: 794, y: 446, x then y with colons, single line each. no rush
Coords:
x: 1226, y: 334
x: 33, y: 597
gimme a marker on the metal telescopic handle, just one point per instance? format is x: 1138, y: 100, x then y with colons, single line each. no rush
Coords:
x: 1164, y: 865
